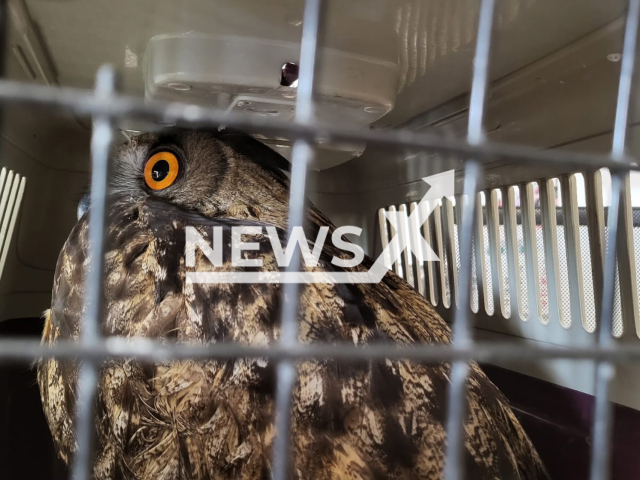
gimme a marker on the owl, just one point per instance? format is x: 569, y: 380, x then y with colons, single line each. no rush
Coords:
x: 214, y: 419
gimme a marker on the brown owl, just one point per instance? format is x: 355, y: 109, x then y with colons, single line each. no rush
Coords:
x: 215, y: 419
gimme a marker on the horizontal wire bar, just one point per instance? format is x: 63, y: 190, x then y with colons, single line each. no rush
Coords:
x: 27, y: 350
x: 85, y: 103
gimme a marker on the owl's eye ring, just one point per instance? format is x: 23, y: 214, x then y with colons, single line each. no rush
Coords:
x: 161, y: 170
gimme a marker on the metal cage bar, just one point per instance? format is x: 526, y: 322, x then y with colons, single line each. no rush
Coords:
x: 456, y: 412
x: 302, y: 155
x: 84, y: 102
x: 457, y: 408
x: 22, y: 350
x: 88, y: 376
x: 601, y: 432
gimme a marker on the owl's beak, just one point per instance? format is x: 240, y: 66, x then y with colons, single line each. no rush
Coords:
x: 83, y: 205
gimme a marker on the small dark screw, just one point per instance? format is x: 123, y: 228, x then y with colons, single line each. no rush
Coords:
x: 289, y: 74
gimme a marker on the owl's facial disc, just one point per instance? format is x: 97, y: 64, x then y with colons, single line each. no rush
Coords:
x: 161, y: 170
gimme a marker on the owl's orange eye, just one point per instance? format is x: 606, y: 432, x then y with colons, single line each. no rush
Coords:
x: 161, y: 170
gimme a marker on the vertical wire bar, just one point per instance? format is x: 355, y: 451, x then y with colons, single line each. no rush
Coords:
x: 475, y: 129
x: 600, y: 447
x: 457, y: 401
x: 626, y: 79
x: 601, y: 430
x: 528, y: 214
x: 309, y: 60
x: 302, y: 154
x: 511, y: 242
x: 548, y: 222
x: 571, y: 223
x: 456, y: 414
x: 101, y: 142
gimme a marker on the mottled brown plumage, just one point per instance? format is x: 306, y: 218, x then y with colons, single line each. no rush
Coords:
x: 206, y: 420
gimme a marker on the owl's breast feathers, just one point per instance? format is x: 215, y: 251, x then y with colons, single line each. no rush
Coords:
x: 214, y: 419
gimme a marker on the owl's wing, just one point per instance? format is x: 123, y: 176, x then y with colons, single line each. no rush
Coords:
x: 215, y: 419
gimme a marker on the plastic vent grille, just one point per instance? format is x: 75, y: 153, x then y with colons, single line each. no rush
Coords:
x: 587, y: 279
x: 438, y: 237
x: 12, y: 187
x: 506, y: 292
x: 541, y: 255
x: 617, y: 301
x: 522, y: 269
x: 487, y: 262
x: 474, y: 278
x: 565, y: 294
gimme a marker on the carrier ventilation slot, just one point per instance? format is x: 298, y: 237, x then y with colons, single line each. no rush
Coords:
x: 12, y: 187
x: 537, y: 253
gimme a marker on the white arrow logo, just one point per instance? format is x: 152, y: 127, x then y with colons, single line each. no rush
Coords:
x: 442, y: 185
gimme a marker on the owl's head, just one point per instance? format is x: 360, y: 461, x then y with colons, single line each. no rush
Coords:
x: 216, y: 174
